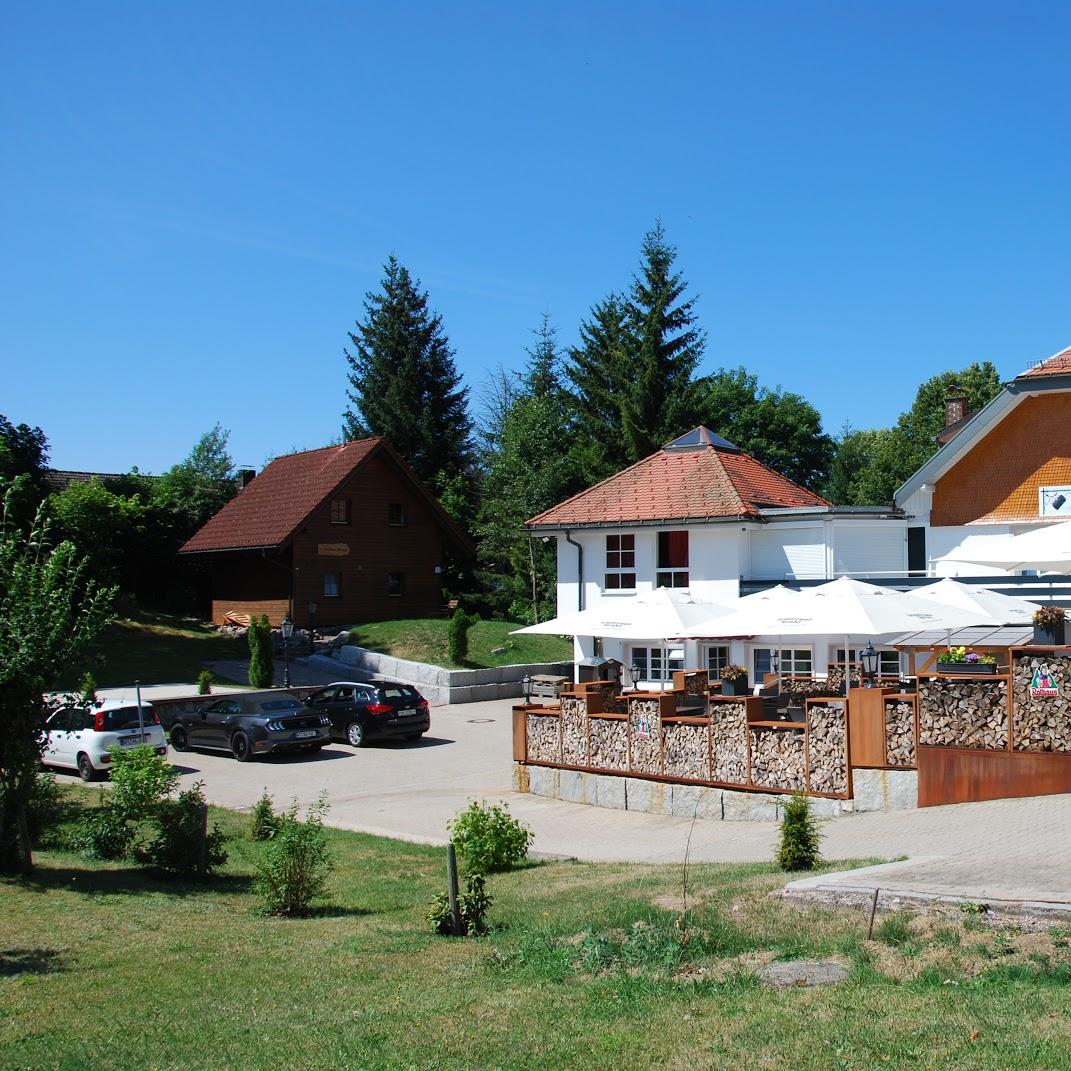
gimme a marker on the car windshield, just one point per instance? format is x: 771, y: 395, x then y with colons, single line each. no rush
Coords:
x: 401, y: 691
x: 280, y: 706
x: 125, y: 718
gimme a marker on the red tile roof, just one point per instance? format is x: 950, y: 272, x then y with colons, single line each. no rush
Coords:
x: 274, y: 503
x: 1059, y: 364
x: 703, y: 483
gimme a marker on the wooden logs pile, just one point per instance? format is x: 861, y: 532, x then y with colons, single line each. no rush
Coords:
x: 687, y: 752
x: 967, y: 712
x: 1042, y: 723
x: 777, y: 758
x: 645, y: 735
x: 696, y: 682
x: 544, y: 738
x: 728, y: 743
x: 574, y: 720
x: 900, y: 732
x: 827, y: 744
x: 609, y: 744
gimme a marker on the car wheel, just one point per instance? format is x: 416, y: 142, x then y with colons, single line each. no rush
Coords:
x: 355, y: 734
x: 85, y: 768
x: 240, y: 748
x: 178, y: 738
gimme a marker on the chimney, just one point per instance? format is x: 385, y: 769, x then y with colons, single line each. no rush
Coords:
x: 245, y: 478
x: 955, y: 404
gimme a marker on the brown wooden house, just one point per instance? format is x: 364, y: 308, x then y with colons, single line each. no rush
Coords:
x: 333, y: 537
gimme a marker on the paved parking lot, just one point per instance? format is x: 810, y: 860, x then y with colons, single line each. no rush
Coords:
x: 1003, y: 850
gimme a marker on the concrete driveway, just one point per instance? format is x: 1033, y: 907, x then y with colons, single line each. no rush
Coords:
x: 1006, y: 850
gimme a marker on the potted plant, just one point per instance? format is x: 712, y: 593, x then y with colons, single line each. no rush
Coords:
x: 734, y: 680
x: 958, y: 660
x: 1049, y: 626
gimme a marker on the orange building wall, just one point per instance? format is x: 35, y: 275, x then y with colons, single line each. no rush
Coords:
x: 1000, y: 477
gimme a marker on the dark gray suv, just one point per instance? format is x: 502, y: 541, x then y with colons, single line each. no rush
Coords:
x: 360, y: 711
x: 252, y: 725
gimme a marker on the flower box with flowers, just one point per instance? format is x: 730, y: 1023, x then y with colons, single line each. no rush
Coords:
x: 959, y: 662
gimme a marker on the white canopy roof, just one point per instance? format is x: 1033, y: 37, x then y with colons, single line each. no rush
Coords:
x: 1046, y: 549
x: 991, y: 607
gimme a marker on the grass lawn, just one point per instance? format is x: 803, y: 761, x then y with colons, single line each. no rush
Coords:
x: 155, y: 649
x: 587, y: 966
x: 424, y: 640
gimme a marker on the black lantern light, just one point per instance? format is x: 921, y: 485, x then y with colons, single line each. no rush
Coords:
x: 637, y: 672
x: 288, y: 631
x: 526, y: 688
x: 869, y: 658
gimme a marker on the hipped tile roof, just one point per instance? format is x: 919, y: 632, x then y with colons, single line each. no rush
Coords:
x: 1059, y: 364
x: 706, y: 482
x: 274, y: 503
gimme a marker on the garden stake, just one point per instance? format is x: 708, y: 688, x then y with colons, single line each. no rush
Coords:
x: 451, y: 872
x: 873, y: 909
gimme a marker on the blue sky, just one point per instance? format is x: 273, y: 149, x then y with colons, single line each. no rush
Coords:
x: 195, y: 198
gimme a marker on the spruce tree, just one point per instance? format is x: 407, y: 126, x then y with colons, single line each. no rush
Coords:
x: 404, y: 384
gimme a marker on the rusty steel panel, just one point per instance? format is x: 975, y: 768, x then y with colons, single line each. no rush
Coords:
x: 954, y: 775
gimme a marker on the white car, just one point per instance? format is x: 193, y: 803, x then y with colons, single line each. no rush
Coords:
x: 82, y: 738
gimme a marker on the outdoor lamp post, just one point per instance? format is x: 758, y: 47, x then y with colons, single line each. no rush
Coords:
x: 288, y: 631
x: 526, y: 688
x: 869, y: 658
x: 636, y: 670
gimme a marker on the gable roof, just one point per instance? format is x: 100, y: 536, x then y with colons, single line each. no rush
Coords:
x: 276, y: 503
x: 697, y: 477
x: 1059, y: 364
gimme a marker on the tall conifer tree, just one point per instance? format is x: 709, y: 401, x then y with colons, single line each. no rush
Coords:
x: 404, y: 384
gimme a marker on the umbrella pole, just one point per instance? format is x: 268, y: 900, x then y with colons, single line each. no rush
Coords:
x: 847, y: 667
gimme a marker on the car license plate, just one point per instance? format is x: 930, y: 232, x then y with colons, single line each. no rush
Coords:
x: 130, y: 741
x: 405, y: 713
x: 304, y: 734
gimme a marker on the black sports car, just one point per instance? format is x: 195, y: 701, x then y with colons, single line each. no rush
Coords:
x: 360, y: 711
x: 252, y: 725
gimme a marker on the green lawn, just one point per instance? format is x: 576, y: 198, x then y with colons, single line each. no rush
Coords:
x: 155, y: 649
x: 587, y: 966
x: 424, y: 640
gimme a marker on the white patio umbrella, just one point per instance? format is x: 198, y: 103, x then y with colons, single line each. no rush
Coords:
x: 662, y: 614
x: 1046, y: 549
x: 992, y: 607
x: 843, y: 607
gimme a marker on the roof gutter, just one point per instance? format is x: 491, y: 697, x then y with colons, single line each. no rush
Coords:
x: 651, y: 523
x: 579, y: 569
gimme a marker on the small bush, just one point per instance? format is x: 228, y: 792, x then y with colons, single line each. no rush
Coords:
x: 800, y: 836
x: 488, y: 838
x: 141, y: 781
x: 204, y: 682
x: 104, y: 833
x: 263, y: 821
x: 457, y: 635
x: 261, y: 657
x: 46, y: 808
x: 294, y: 867
x: 182, y: 846
x: 473, y: 905
x: 88, y: 689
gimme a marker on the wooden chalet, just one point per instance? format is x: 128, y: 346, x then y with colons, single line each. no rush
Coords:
x: 330, y: 537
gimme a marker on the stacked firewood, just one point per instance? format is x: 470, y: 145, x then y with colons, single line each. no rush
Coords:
x: 900, y: 732
x: 544, y: 738
x: 687, y: 751
x: 827, y: 749
x: 574, y: 730
x: 609, y: 744
x: 968, y: 713
x: 645, y: 734
x: 1042, y: 722
x: 777, y: 758
x: 696, y: 682
x: 728, y: 743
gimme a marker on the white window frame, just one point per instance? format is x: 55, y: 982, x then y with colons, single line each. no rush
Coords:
x: 650, y: 661
x: 885, y: 660
x: 715, y: 658
x: 791, y: 665
x: 621, y: 572
x: 673, y: 576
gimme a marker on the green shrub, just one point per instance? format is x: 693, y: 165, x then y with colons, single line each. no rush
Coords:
x: 204, y: 682
x: 473, y: 905
x: 800, y: 836
x: 489, y: 838
x: 261, y: 656
x: 293, y: 870
x: 263, y: 821
x: 183, y: 846
x: 104, y: 833
x: 457, y: 635
x: 141, y: 781
x: 46, y: 809
x: 88, y: 689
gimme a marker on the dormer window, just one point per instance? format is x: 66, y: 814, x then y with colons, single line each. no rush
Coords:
x: 340, y: 511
